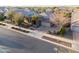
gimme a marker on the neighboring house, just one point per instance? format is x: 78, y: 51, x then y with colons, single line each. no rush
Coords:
x: 75, y: 21
x: 75, y: 28
x: 29, y: 13
x: 45, y: 17
x: 3, y: 9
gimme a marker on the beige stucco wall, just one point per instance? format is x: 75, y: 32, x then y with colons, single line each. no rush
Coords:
x: 75, y: 28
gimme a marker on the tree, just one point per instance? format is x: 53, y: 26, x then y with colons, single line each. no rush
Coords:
x: 62, y: 31
x: 34, y: 19
x: 10, y: 15
x: 67, y: 15
x: 43, y: 9
x: 60, y: 19
x: 55, y: 9
x: 18, y: 19
x: 2, y: 17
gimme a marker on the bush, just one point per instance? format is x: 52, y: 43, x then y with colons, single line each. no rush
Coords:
x: 2, y: 17
x: 67, y: 25
x: 20, y: 30
x: 49, y: 32
x: 67, y: 15
x: 62, y: 31
x: 20, y: 21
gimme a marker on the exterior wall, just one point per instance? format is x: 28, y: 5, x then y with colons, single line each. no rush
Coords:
x: 76, y: 38
x: 75, y: 28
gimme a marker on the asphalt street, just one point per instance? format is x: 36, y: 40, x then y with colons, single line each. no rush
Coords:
x: 11, y: 41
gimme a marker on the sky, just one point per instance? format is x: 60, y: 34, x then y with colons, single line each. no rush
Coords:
x: 38, y: 2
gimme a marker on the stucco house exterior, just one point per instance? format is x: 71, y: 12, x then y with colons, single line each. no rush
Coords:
x: 75, y: 27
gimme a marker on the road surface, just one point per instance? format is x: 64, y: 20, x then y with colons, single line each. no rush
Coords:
x: 13, y: 42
